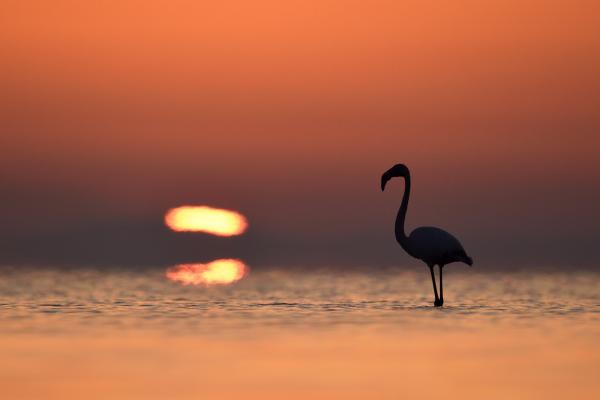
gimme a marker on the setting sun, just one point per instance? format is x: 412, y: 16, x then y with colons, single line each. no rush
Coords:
x: 218, y: 272
x: 215, y: 221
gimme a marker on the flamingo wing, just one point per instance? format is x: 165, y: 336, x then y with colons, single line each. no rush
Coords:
x: 436, y: 246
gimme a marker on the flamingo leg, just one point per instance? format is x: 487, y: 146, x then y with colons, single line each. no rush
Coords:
x: 437, y: 299
x: 441, y: 285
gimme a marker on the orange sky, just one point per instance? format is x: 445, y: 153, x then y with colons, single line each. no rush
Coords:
x: 289, y: 112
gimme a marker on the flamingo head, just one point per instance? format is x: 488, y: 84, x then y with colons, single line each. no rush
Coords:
x: 396, y: 170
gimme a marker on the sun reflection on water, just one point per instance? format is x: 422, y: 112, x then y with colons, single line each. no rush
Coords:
x: 218, y: 272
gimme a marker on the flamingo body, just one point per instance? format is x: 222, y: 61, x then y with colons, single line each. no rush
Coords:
x: 435, y: 246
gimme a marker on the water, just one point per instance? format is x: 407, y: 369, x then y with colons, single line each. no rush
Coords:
x: 285, y: 334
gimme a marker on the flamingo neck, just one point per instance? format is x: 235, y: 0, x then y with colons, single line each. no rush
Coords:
x: 401, y: 217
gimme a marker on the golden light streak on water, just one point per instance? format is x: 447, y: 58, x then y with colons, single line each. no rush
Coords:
x: 218, y: 272
x: 206, y: 219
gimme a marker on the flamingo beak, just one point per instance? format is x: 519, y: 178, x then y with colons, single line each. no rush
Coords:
x: 384, y: 178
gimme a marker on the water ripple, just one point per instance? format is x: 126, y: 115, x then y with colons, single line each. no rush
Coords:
x: 30, y: 299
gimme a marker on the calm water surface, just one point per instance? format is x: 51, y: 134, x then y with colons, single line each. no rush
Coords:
x: 281, y: 334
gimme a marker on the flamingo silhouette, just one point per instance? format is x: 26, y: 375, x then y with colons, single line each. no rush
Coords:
x: 432, y: 245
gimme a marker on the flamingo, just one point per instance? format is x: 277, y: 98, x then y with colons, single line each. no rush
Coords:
x: 433, y: 246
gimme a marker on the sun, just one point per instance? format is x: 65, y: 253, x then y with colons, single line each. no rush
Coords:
x: 206, y: 219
